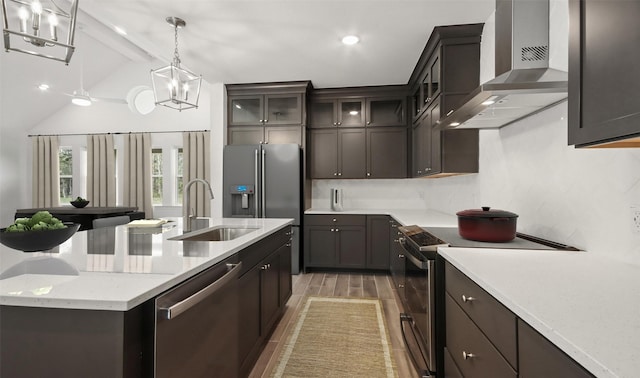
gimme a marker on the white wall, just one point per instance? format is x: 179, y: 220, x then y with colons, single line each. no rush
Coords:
x: 575, y: 196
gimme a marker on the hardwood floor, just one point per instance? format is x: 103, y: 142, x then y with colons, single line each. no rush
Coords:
x: 339, y: 285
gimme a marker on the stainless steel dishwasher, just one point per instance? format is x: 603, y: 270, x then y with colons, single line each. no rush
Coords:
x: 196, y: 333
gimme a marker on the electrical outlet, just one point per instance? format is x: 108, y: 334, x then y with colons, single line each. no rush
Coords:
x: 635, y: 218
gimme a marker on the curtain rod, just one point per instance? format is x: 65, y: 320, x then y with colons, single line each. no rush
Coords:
x: 122, y: 133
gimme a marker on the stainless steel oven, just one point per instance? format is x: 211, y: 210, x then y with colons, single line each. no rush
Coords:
x: 419, y: 321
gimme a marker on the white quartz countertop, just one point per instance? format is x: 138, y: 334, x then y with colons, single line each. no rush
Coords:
x: 587, y: 305
x: 406, y: 217
x: 117, y: 268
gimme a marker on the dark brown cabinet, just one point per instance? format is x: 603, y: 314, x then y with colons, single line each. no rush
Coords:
x: 335, y: 241
x: 484, y: 338
x: 337, y: 112
x: 378, y: 242
x: 267, y: 113
x: 540, y: 358
x: 356, y: 153
x: 447, y: 71
x: 337, y: 153
x: 264, y: 288
x: 438, y: 152
x: 386, y: 111
x: 604, y: 74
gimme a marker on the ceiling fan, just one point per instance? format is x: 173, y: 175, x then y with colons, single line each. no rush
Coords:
x: 81, y: 97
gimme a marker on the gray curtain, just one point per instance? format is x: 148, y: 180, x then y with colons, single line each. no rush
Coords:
x: 46, y: 172
x: 196, y: 163
x: 137, y: 173
x: 101, y: 173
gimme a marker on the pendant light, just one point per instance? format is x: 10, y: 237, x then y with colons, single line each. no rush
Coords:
x: 37, y: 27
x: 174, y: 86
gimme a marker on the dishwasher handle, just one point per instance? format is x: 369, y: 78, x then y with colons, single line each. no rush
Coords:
x: 173, y: 311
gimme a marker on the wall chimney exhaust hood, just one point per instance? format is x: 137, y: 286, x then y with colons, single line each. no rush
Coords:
x: 524, y: 82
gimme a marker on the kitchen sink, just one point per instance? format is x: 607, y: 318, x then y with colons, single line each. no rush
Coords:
x: 214, y: 234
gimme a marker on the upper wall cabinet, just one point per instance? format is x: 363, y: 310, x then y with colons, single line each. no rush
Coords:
x: 267, y: 112
x: 449, y: 66
x: 358, y: 107
x: 604, y: 74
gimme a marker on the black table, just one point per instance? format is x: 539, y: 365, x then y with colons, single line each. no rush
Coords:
x: 84, y: 216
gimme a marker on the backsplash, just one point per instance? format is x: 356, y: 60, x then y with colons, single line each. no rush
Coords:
x: 581, y: 197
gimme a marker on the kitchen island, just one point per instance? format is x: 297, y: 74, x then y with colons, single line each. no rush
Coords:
x: 86, y: 308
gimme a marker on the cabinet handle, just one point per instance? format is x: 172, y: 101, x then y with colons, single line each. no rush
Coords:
x: 401, y: 256
x: 334, y: 219
x: 339, y: 173
x: 335, y: 173
x: 401, y: 286
x: 368, y: 174
x: 467, y: 299
x: 266, y: 120
x: 264, y: 267
x: 368, y: 122
x: 335, y: 124
x: 339, y: 123
x: 466, y: 355
x: 337, y: 230
x: 333, y: 230
x: 419, y: 172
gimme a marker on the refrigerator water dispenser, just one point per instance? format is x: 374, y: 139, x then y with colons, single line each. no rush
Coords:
x: 242, y: 201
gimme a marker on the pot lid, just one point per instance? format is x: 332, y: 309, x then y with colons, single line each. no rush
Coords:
x: 486, y: 212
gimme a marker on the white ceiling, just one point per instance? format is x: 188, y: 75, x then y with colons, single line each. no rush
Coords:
x: 238, y: 41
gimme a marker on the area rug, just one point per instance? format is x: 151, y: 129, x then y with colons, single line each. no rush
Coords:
x: 337, y: 337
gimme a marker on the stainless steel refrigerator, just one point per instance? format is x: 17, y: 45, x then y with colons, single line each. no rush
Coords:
x: 265, y: 181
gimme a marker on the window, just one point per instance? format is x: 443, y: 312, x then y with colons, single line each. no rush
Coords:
x: 179, y: 183
x: 156, y: 175
x: 65, y: 157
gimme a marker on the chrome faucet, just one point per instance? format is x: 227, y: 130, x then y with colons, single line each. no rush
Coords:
x: 187, y: 216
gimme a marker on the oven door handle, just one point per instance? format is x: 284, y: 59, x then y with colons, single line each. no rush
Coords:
x: 424, y: 265
x: 406, y: 318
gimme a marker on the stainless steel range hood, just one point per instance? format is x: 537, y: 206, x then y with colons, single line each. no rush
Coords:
x: 524, y: 82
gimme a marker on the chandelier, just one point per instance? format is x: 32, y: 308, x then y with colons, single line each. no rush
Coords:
x: 39, y: 28
x: 174, y: 86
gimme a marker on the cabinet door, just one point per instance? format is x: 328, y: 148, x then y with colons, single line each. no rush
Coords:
x: 283, y: 134
x: 378, y: 242
x: 286, y: 287
x: 387, y: 152
x: 352, y: 246
x: 604, y: 74
x: 386, y: 111
x: 434, y: 76
x: 323, y: 113
x: 283, y: 109
x: 269, y: 291
x: 320, y: 246
x: 245, y: 110
x: 249, y: 331
x: 435, y: 165
x: 323, y: 153
x: 538, y: 357
x: 352, y: 154
x: 422, y: 145
x: 245, y: 135
x: 351, y: 112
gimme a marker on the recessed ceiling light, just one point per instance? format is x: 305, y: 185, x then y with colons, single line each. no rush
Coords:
x: 454, y: 124
x: 350, y: 40
x: 43, y: 87
x: 120, y: 30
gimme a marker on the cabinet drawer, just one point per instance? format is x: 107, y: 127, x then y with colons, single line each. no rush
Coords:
x: 540, y: 358
x: 335, y: 220
x: 472, y: 352
x: 495, y: 320
x: 450, y: 368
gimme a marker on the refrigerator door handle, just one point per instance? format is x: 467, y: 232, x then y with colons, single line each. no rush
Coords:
x: 255, y: 179
x: 263, y: 186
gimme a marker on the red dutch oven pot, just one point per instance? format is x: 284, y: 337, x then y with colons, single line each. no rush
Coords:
x: 487, y: 225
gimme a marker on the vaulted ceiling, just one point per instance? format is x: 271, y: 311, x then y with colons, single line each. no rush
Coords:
x: 237, y: 41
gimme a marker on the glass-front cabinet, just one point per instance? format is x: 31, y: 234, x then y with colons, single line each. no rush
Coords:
x: 275, y: 109
x: 429, y: 88
x: 386, y: 111
x: 337, y: 113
